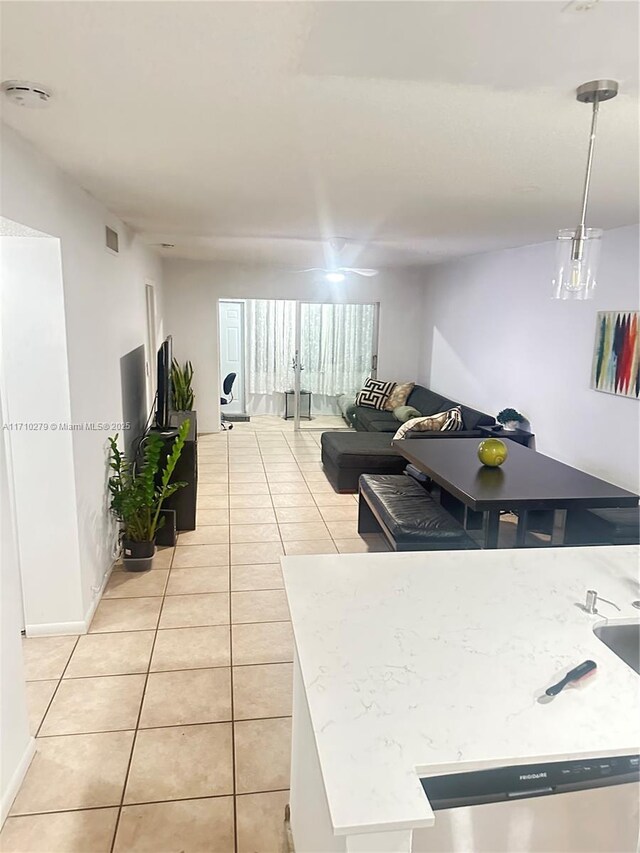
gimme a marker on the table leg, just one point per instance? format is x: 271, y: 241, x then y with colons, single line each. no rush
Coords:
x: 521, y: 529
x: 491, y: 528
x: 559, y: 524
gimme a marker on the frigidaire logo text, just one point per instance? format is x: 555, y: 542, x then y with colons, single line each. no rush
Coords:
x: 533, y: 776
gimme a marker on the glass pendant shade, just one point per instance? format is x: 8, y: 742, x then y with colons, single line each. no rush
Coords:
x: 576, y: 263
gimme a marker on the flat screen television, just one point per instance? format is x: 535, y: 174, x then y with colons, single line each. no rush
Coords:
x: 163, y: 398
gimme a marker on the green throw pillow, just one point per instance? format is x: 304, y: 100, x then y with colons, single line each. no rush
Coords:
x: 405, y: 413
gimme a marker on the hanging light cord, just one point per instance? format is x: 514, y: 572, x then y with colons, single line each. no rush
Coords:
x: 581, y: 230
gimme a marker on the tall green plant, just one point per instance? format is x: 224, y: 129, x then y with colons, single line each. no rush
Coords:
x: 136, y: 500
x: 182, y: 392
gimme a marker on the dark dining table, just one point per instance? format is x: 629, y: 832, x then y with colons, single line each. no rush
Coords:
x: 527, y: 481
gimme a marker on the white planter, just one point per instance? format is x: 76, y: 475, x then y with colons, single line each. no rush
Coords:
x: 512, y: 425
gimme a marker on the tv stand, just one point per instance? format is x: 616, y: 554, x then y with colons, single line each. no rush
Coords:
x: 184, y: 500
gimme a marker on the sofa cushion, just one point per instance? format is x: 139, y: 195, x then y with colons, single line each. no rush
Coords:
x: 405, y: 413
x: 398, y: 397
x: 472, y: 418
x: 367, y: 451
x: 367, y: 417
x: 450, y: 421
x: 374, y: 393
x: 428, y: 402
x: 383, y: 426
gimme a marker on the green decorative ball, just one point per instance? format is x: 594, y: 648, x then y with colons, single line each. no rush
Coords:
x: 492, y: 452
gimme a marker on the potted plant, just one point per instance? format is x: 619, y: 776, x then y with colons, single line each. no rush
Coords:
x: 137, y: 494
x: 510, y: 419
x: 182, y: 391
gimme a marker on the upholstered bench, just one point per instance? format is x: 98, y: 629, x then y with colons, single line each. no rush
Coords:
x: 615, y: 526
x: 346, y: 455
x: 407, y: 515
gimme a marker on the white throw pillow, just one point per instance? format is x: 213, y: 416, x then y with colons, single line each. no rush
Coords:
x: 441, y: 422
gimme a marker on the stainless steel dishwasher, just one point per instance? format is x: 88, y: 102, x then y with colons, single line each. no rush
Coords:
x: 586, y: 806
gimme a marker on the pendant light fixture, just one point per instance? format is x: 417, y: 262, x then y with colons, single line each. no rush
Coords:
x: 578, y: 249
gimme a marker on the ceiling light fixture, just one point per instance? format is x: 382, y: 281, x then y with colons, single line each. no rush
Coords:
x: 578, y: 249
x: 25, y: 94
x: 335, y: 277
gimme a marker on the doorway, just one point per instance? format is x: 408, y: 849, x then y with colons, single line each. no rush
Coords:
x: 298, y: 364
x: 232, y: 355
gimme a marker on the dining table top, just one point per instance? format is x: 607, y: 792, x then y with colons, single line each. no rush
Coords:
x: 526, y: 480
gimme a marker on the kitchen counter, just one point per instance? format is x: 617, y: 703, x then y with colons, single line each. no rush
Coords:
x: 417, y: 664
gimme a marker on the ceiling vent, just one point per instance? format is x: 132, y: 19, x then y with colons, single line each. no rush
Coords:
x: 25, y: 94
x: 111, y: 239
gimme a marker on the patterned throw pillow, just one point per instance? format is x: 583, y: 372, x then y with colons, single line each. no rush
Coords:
x: 454, y: 421
x: 398, y: 397
x: 374, y: 393
x: 441, y: 422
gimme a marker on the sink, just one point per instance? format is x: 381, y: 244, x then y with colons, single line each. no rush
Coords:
x: 623, y: 638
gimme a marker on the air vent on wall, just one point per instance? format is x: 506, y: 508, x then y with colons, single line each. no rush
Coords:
x: 112, y: 239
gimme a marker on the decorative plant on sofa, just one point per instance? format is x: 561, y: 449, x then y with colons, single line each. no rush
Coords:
x: 182, y: 391
x: 510, y: 418
x: 137, y: 496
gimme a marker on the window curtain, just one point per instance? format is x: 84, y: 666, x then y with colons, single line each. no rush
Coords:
x: 336, y: 346
x: 271, y: 344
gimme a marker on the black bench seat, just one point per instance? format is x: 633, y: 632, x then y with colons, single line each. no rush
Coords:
x: 609, y: 526
x: 407, y: 515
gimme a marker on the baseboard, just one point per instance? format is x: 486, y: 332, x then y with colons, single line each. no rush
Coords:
x: 16, y: 780
x: 56, y: 629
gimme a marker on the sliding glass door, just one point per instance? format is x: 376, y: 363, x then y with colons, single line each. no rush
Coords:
x: 302, y: 361
x: 335, y: 351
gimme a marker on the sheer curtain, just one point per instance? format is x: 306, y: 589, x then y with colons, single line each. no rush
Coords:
x: 336, y: 346
x: 271, y: 344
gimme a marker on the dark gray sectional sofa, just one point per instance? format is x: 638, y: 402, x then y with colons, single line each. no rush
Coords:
x: 346, y: 455
x: 427, y: 402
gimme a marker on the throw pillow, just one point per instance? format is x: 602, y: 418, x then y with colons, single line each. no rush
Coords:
x: 441, y: 422
x: 374, y: 393
x: 398, y: 397
x: 405, y: 413
x: 454, y: 421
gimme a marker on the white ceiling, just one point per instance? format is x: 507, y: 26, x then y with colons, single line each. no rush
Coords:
x: 251, y: 130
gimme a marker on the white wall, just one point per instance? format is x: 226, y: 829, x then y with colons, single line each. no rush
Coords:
x: 105, y: 318
x: 34, y: 368
x: 16, y: 746
x: 495, y: 338
x: 192, y: 290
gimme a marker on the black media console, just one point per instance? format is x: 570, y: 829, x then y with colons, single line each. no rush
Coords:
x: 184, y: 500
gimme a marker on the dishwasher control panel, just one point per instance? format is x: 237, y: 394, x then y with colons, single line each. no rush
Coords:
x: 529, y: 780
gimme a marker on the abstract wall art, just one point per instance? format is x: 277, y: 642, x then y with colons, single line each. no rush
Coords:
x: 616, y: 355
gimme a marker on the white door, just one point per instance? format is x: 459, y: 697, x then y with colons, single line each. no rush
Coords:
x: 232, y: 352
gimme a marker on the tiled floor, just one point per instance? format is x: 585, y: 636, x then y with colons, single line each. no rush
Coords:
x: 167, y: 727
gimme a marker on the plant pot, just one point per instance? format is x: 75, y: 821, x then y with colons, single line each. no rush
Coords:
x: 511, y: 426
x: 137, y: 556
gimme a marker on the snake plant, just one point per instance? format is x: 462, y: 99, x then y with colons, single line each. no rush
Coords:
x: 182, y: 391
x: 136, y: 496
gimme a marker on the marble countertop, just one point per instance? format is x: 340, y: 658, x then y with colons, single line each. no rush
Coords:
x: 423, y: 663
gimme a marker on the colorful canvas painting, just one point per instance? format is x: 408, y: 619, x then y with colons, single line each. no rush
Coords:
x: 616, y: 355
